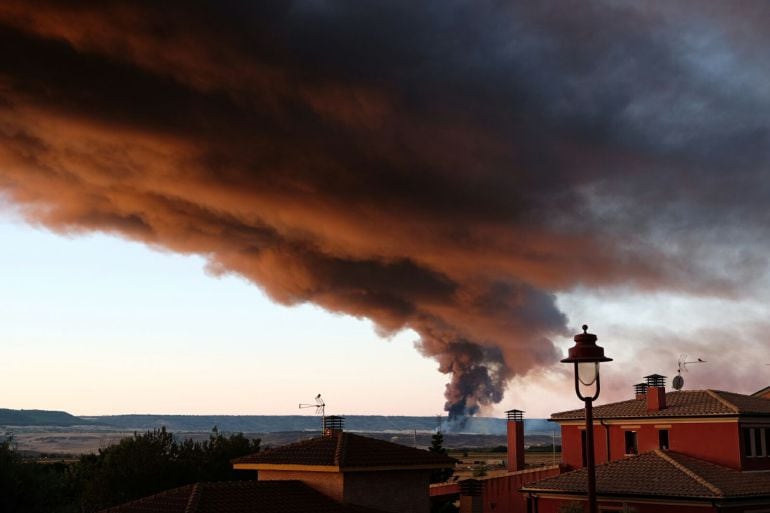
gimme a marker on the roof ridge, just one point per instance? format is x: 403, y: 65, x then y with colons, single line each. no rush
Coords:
x: 718, y: 397
x: 194, y: 500
x: 693, y: 475
x: 340, y: 451
x: 280, y: 448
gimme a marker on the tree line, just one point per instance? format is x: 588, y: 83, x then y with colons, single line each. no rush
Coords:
x: 135, y: 467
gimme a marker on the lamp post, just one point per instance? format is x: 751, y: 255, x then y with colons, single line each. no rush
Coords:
x: 586, y: 356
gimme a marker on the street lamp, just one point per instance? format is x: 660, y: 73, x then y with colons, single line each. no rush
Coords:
x: 586, y: 356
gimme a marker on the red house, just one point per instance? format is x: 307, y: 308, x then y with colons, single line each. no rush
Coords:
x: 699, y: 450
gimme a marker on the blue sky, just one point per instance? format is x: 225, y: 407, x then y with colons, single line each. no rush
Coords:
x: 93, y: 324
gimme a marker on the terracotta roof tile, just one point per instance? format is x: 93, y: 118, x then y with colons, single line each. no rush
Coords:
x: 732, y: 483
x: 686, y: 403
x: 348, y: 450
x: 662, y: 473
x: 239, y: 497
x: 745, y: 404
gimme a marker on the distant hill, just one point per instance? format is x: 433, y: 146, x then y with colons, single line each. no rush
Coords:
x: 41, y: 418
x: 281, y: 423
x: 266, y: 423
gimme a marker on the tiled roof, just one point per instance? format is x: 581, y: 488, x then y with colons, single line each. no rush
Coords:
x: 662, y: 474
x: 686, y: 403
x: 239, y: 497
x: 348, y: 451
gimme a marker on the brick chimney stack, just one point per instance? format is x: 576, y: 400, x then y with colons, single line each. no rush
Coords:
x: 515, y: 440
x: 656, y: 392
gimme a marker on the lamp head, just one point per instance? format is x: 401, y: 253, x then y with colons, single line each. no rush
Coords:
x: 585, y: 349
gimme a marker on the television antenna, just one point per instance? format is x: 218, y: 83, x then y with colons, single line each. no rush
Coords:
x: 678, y: 381
x: 319, y: 405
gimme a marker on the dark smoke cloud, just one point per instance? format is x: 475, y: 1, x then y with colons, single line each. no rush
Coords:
x: 442, y: 166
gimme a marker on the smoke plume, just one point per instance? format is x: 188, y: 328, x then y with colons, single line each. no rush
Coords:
x: 448, y: 167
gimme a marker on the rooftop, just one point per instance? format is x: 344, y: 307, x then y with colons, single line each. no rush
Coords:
x: 685, y: 403
x: 662, y: 474
x: 239, y: 497
x: 343, y: 451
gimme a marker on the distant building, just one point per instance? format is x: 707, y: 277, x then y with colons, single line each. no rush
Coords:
x: 338, y: 472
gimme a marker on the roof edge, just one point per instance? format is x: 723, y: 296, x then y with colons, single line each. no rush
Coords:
x: 715, y: 395
x: 667, y: 418
x: 336, y: 468
x: 286, y: 466
x: 619, y: 496
x: 699, y: 479
x: 194, y: 499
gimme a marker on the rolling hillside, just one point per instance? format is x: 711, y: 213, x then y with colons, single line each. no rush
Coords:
x: 41, y: 418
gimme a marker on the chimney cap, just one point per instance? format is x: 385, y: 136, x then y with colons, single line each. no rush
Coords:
x: 656, y: 380
x: 470, y: 487
x: 333, y: 424
x: 515, y: 415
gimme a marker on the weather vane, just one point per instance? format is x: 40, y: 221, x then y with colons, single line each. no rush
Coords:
x: 678, y: 381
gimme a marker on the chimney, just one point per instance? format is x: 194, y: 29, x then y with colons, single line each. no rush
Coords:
x: 333, y: 424
x: 470, y: 496
x: 640, y: 391
x: 515, y: 440
x: 656, y: 392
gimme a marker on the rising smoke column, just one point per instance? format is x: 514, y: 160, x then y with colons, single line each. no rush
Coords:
x: 446, y: 167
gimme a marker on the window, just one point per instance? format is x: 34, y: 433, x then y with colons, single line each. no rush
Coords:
x: 756, y: 442
x: 663, y: 439
x: 631, y: 445
x: 748, y: 445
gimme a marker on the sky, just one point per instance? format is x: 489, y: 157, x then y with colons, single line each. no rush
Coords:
x: 228, y: 207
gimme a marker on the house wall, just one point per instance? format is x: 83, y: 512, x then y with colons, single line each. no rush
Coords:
x: 502, y: 495
x: 572, y: 448
x: 328, y: 483
x: 399, y: 491
x: 718, y: 442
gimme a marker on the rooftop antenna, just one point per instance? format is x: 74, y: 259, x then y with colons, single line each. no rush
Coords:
x: 319, y: 405
x: 678, y: 381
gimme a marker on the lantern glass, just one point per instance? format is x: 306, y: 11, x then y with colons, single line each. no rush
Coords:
x: 587, y: 372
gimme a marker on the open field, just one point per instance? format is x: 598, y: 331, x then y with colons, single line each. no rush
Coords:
x: 71, y: 442
x: 494, y: 463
